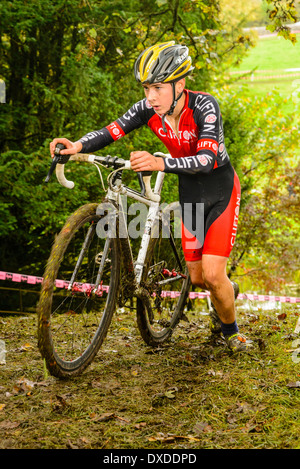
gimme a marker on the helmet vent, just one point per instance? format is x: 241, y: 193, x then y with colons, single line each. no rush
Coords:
x: 147, y: 61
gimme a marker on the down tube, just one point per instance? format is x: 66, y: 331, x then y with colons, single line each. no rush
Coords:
x: 139, y: 265
x: 124, y: 243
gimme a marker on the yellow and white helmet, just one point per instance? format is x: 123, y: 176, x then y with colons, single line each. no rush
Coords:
x: 166, y: 62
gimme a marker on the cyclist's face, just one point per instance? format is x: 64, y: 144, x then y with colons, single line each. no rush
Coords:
x: 159, y: 96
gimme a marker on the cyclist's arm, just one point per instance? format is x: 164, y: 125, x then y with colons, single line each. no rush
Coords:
x: 208, y: 119
x: 93, y: 141
x: 132, y: 119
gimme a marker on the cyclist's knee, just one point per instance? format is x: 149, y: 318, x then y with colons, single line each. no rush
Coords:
x: 214, y: 271
x: 195, y: 271
x: 213, y: 277
x: 212, y: 281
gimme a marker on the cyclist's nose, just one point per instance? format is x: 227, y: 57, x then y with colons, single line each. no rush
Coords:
x: 151, y: 95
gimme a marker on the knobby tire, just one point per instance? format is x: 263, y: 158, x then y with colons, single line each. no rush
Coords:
x: 73, y: 325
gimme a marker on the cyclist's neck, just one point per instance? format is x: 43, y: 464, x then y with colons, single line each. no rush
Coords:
x: 179, y: 107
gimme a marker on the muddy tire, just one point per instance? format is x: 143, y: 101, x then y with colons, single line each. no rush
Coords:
x: 73, y: 321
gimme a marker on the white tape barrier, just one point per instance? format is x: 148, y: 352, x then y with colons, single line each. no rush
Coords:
x: 33, y: 280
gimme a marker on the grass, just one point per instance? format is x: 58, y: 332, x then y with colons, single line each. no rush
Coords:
x: 189, y: 394
x: 271, y: 58
x: 273, y: 53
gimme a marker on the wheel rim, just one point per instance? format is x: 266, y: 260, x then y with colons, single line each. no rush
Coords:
x: 77, y: 310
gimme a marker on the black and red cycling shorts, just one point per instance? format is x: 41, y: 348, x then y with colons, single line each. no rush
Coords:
x: 218, y: 195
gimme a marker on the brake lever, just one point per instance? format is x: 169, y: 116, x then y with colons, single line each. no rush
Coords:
x: 140, y: 175
x: 57, y: 159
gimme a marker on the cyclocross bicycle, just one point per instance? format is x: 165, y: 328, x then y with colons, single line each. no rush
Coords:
x: 92, y: 269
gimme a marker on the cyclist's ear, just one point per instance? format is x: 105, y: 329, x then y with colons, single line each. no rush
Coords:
x: 180, y: 84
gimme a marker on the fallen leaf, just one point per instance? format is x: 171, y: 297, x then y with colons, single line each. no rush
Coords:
x: 105, y: 417
x: 231, y: 418
x: 201, y: 427
x: 109, y: 416
x: 255, y: 429
x: 2, y: 406
x: 294, y: 385
x: 157, y: 399
x: 282, y: 316
x: 26, y: 347
x: 171, y: 438
x: 7, y: 425
x: 215, y: 373
x: 23, y: 385
x: 170, y: 394
x: 140, y: 425
x: 43, y: 383
x: 62, y: 401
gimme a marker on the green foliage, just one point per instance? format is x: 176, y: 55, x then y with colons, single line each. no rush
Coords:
x: 281, y: 13
x: 263, y: 144
x: 59, y: 59
x: 36, y: 211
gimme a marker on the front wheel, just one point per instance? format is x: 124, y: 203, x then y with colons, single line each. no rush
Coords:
x: 78, y: 295
x: 166, y: 282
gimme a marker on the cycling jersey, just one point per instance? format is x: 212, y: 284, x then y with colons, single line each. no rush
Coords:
x: 199, y: 157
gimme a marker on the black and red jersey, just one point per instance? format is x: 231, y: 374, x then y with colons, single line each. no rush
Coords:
x: 199, y: 157
x: 199, y: 136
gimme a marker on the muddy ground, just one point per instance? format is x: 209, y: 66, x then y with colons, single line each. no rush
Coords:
x: 192, y: 393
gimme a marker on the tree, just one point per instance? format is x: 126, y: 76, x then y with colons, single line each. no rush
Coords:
x: 281, y: 13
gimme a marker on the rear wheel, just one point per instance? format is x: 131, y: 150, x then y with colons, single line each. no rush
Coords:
x: 166, y: 282
x: 78, y: 295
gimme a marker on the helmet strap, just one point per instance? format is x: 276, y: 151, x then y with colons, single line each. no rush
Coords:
x: 171, y: 110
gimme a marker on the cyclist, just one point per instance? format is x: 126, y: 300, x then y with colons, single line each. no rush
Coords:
x: 190, y: 125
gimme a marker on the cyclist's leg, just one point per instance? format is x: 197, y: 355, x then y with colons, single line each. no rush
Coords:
x: 219, y: 285
x: 220, y: 232
x: 207, y: 265
x: 196, y: 274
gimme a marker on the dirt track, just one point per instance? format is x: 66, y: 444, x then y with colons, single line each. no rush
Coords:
x: 190, y: 394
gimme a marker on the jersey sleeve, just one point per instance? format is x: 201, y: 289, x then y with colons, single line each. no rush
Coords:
x: 208, y: 119
x: 134, y: 118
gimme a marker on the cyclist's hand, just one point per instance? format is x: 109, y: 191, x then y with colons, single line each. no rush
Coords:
x: 144, y: 161
x: 71, y: 147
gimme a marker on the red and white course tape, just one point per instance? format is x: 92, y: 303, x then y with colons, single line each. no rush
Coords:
x: 33, y: 280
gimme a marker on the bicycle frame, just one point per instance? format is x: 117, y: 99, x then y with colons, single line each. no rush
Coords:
x: 114, y: 196
x: 73, y: 325
x: 154, y: 206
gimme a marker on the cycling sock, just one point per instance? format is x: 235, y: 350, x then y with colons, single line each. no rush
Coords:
x: 229, y: 329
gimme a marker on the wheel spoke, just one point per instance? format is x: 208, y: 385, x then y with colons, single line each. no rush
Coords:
x: 84, y: 269
x: 167, y: 282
